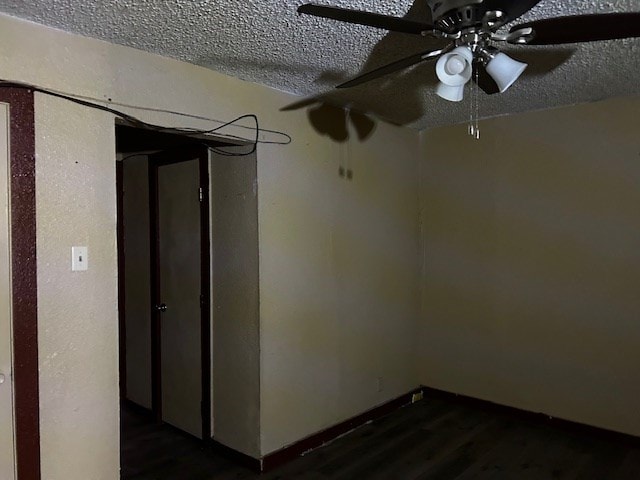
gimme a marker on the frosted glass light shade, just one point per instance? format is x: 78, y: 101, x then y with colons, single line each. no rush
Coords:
x: 505, y: 70
x: 451, y: 93
x: 454, y: 68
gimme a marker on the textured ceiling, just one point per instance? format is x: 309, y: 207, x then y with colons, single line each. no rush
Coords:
x: 265, y: 41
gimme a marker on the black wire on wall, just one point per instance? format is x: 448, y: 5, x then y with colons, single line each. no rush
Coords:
x: 91, y: 103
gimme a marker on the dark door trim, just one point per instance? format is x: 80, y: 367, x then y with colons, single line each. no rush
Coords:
x: 22, y: 165
x: 122, y: 324
x: 154, y: 262
x: 205, y: 297
x: 155, y: 161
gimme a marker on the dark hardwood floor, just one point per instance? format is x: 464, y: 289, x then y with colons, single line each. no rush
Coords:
x: 434, y: 439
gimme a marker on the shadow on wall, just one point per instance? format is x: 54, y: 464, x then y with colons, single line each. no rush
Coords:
x: 333, y: 121
x: 400, y: 98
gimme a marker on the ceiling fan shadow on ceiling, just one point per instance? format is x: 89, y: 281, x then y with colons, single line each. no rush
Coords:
x: 470, y: 29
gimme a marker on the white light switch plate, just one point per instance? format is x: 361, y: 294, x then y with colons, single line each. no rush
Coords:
x: 79, y: 259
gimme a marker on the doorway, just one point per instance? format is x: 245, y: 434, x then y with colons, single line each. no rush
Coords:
x: 164, y: 277
x: 188, y: 288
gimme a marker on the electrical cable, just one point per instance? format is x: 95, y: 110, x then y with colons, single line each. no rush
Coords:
x: 173, y: 112
x: 188, y: 131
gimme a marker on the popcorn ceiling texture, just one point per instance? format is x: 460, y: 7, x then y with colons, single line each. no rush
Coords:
x: 267, y: 42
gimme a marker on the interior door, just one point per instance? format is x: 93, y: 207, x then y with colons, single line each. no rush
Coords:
x: 182, y: 283
x: 7, y: 435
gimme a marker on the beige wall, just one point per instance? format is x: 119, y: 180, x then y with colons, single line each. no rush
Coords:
x: 77, y: 317
x: 235, y: 301
x: 338, y: 277
x: 338, y: 282
x: 531, y: 262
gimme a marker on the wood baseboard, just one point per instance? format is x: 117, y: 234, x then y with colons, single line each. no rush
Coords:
x: 290, y: 452
x: 535, y: 417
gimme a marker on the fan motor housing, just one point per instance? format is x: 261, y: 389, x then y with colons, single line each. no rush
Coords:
x: 452, y: 16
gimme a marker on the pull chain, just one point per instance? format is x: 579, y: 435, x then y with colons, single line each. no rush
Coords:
x: 474, y: 106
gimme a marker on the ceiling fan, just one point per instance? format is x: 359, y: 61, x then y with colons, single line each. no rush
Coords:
x: 471, y: 28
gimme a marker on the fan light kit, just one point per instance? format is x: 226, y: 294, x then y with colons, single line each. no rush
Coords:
x: 471, y: 27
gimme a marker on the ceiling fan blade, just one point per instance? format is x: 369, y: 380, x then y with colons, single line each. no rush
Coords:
x: 583, y: 28
x: 376, y: 20
x: 512, y: 8
x: 394, y: 67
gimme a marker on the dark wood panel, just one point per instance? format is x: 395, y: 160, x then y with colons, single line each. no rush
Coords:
x: 122, y: 321
x: 24, y: 280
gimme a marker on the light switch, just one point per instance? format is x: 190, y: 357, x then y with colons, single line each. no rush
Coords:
x: 79, y: 259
